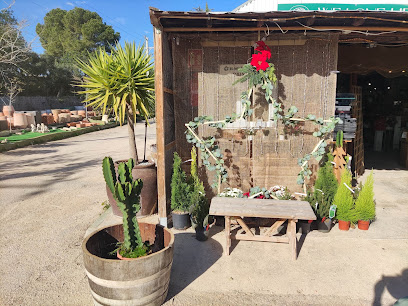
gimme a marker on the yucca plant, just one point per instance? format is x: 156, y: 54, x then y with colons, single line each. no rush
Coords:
x: 122, y: 81
x: 365, y: 205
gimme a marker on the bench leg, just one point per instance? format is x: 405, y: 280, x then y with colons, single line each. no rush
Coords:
x: 228, y: 235
x: 292, y: 237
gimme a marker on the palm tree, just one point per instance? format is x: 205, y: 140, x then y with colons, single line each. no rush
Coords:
x: 123, y: 81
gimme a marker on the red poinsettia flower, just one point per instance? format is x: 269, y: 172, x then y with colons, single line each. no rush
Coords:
x: 261, y: 46
x: 259, y: 61
x: 246, y: 194
x: 260, y: 196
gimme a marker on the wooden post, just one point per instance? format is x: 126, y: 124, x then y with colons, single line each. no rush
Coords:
x: 291, y: 232
x: 160, y: 141
x: 228, y: 235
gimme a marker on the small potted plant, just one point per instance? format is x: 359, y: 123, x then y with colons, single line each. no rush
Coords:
x: 365, y: 204
x: 145, y: 252
x: 180, y: 196
x: 324, y: 191
x: 344, y: 202
x: 199, y: 208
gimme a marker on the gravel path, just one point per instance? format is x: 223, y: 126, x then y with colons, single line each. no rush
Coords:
x: 49, y: 196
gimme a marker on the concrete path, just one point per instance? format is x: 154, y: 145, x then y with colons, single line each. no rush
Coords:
x: 51, y: 194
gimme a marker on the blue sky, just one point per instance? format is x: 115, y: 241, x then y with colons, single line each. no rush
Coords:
x: 130, y: 18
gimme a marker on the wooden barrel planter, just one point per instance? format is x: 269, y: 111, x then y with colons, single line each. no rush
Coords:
x: 139, y: 281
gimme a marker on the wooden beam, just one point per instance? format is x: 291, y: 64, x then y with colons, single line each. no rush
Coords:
x: 228, y: 235
x: 244, y: 227
x: 161, y: 154
x: 168, y: 90
x: 279, y: 239
x: 358, y: 22
x: 310, y: 21
x: 274, y: 227
x: 290, y: 28
x: 170, y: 146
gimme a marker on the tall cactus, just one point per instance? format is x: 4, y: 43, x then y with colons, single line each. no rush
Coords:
x: 126, y: 192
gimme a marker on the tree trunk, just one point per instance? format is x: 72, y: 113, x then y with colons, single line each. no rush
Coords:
x: 131, y: 131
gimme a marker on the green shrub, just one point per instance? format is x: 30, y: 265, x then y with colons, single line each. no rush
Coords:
x: 325, y: 189
x: 365, y: 205
x: 180, y: 200
x: 344, y: 199
x: 199, y: 207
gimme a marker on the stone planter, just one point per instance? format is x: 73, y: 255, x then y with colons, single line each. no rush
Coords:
x: 137, y: 281
x: 20, y: 120
x: 3, y: 124
x: 30, y: 119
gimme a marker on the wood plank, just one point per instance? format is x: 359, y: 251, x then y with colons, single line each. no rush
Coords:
x: 161, y: 158
x: 278, y: 239
x: 274, y: 227
x: 288, y: 28
x: 228, y: 235
x: 244, y: 227
x: 262, y: 208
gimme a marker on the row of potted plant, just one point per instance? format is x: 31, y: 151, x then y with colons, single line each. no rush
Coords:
x: 332, y: 200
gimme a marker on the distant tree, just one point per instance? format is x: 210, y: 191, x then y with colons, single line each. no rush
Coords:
x: 72, y: 34
x: 207, y: 9
x: 13, y: 52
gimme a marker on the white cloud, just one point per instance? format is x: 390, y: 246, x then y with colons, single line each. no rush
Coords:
x: 69, y: 3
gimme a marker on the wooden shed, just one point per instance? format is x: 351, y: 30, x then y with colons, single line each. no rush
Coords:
x: 197, y: 56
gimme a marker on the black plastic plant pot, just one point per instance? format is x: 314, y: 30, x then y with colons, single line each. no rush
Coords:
x: 201, y: 233
x: 181, y: 221
x: 324, y: 226
x: 304, y: 227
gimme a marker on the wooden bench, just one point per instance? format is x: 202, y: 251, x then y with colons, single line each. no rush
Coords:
x: 282, y: 210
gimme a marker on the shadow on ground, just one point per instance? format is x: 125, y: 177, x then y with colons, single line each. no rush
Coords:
x: 397, y: 286
x: 191, y: 259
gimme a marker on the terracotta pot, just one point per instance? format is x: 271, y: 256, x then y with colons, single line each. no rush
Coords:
x: 30, y: 119
x: 55, y: 113
x: 47, y: 119
x: 74, y: 112
x: 344, y: 225
x: 80, y: 125
x: 8, y: 110
x: 64, y: 117
x: 148, y: 197
x: 65, y: 111
x: 20, y: 120
x: 363, y: 225
x: 1, y: 114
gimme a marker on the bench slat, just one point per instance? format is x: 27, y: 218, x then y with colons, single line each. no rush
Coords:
x: 261, y: 208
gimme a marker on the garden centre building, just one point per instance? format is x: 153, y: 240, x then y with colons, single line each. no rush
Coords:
x: 331, y: 57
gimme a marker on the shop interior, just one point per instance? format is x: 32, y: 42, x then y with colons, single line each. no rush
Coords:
x: 382, y: 79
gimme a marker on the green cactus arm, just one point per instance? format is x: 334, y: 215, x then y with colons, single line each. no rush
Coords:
x: 108, y: 169
x: 130, y: 164
x: 123, y: 173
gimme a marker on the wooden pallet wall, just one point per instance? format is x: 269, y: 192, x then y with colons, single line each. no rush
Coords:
x: 357, y: 112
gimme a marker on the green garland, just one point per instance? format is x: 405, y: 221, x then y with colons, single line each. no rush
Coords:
x: 266, y: 80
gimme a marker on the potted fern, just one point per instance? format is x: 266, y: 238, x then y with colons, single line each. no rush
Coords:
x: 344, y: 202
x: 124, y: 274
x: 199, y: 207
x: 365, y: 204
x: 180, y: 197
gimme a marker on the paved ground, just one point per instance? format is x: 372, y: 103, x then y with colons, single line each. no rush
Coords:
x: 51, y: 194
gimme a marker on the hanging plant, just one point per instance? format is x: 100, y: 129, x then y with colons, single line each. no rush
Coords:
x: 259, y: 72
